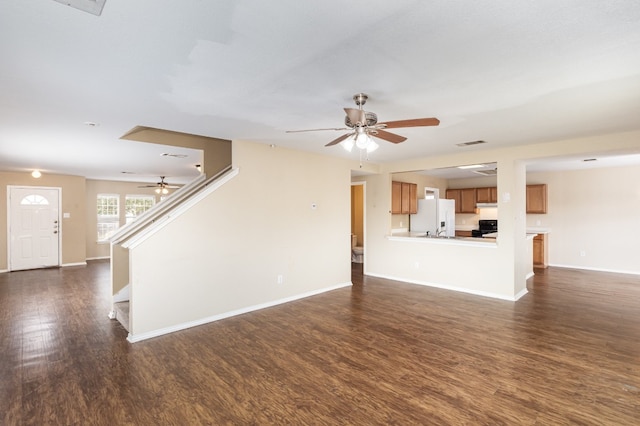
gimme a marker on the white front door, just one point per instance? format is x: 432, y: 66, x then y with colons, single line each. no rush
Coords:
x: 34, y: 227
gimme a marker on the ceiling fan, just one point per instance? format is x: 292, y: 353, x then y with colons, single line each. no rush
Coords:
x: 161, y: 187
x: 363, y: 124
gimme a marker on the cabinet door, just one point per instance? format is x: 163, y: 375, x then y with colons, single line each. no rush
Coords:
x: 468, y: 200
x: 413, y: 198
x: 538, y: 251
x: 396, y: 197
x: 406, y: 198
x: 487, y: 195
x: 454, y: 194
x: 537, y: 198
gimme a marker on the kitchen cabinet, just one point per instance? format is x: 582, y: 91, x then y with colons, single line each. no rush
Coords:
x: 539, y: 251
x: 464, y: 234
x: 487, y: 195
x: 404, y: 198
x: 537, y: 199
x: 465, y: 199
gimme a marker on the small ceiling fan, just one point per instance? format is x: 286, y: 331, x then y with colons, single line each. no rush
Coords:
x: 161, y: 187
x: 363, y: 124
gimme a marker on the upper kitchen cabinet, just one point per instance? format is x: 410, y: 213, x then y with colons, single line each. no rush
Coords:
x: 487, y: 195
x: 465, y: 199
x: 537, y: 198
x: 404, y: 198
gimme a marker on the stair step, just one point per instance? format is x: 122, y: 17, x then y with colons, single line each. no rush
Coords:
x: 122, y: 313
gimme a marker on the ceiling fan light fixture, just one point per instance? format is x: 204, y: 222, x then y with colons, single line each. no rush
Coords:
x: 372, y: 146
x: 363, y: 140
x: 348, y: 143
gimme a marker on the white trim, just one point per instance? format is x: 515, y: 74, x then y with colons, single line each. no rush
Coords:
x: 155, y: 333
x: 99, y: 258
x: 529, y: 275
x: 520, y: 294
x: 364, y: 224
x: 139, y: 238
x: 123, y: 295
x: 64, y: 265
x: 2, y: 271
x: 449, y: 287
x: 585, y: 268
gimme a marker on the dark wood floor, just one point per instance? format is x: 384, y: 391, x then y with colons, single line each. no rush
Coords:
x: 380, y: 352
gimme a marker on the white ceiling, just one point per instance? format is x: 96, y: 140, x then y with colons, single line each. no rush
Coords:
x: 507, y: 72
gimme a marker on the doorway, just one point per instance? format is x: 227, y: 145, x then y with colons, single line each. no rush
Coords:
x: 358, y: 226
x: 34, y: 227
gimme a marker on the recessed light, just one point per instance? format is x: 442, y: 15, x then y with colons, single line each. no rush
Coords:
x: 36, y: 174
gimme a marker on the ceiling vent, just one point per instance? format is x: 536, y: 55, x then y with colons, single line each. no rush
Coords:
x: 470, y: 143
x: 490, y: 172
x: 93, y: 7
x: 166, y: 154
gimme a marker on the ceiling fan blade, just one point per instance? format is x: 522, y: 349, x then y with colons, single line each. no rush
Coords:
x: 338, y: 140
x: 356, y: 116
x: 316, y: 130
x: 411, y: 123
x: 388, y: 136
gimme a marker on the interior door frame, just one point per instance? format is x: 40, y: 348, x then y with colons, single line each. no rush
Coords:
x: 364, y: 222
x: 9, y: 190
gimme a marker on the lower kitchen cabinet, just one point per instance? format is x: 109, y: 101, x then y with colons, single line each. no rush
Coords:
x: 539, y: 251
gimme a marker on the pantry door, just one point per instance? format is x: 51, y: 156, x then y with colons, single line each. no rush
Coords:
x: 34, y: 227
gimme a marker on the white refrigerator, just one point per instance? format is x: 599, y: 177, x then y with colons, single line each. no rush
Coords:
x: 438, y: 217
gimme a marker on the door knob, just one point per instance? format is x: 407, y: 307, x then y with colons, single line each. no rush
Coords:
x: 55, y: 232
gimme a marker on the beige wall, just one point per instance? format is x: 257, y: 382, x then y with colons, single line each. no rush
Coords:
x: 72, y: 229
x: 596, y: 212
x: 96, y: 250
x: 226, y: 253
x: 499, y: 271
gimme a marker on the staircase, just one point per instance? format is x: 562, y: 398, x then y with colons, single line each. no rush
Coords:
x: 122, y: 313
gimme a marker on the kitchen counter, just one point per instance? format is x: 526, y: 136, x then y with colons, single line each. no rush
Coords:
x: 420, y: 237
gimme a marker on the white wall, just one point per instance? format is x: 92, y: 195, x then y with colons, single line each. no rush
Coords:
x: 595, y: 211
x: 226, y: 253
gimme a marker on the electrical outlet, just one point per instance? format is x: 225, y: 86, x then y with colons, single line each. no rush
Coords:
x: 280, y: 279
x: 583, y: 253
x: 401, y: 223
x: 417, y: 265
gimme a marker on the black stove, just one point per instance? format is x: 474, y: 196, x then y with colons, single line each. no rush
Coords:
x: 485, y: 227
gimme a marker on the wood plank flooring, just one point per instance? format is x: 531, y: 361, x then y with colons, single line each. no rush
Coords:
x: 380, y: 352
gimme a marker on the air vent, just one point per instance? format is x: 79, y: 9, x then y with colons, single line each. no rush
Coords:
x: 166, y: 154
x: 490, y: 172
x: 470, y: 143
x: 93, y: 7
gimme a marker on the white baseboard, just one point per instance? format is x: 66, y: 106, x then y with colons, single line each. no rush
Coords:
x: 584, y: 268
x: 453, y: 288
x: 520, y: 294
x: 65, y: 265
x: 529, y: 275
x: 99, y: 258
x: 133, y: 338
